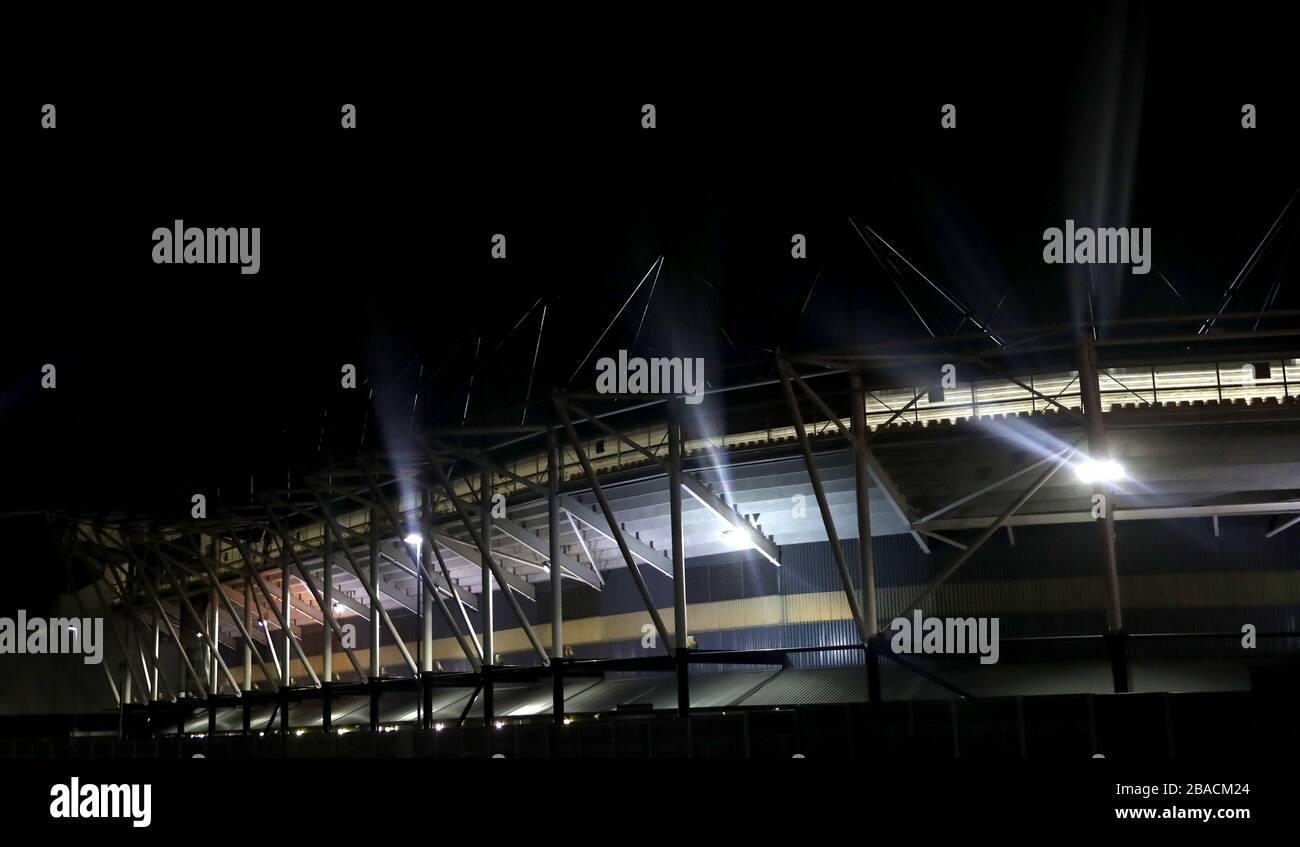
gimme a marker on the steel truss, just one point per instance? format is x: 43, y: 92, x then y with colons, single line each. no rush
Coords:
x: 156, y: 569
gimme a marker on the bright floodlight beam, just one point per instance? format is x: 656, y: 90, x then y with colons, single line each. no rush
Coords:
x: 415, y: 539
x: 1105, y: 470
x: 736, y: 540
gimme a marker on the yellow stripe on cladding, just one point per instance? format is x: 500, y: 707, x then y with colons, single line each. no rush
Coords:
x: 1028, y: 596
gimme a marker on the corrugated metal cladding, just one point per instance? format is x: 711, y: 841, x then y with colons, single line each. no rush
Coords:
x: 1176, y: 576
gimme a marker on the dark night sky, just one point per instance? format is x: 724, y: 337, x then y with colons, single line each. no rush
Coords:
x: 376, y: 242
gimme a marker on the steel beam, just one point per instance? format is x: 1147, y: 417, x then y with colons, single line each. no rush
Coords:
x: 862, y: 452
x: 979, y: 542
x: 248, y: 640
x: 598, y: 523
x: 211, y: 639
x: 961, y: 501
x: 250, y: 652
x: 456, y: 592
x: 1159, y: 513
x: 322, y: 595
x: 376, y: 665
x: 951, y: 542
x: 303, y: 609
x: 468, y: 551
x: 327, y: 641
x: 1098, y: 450
x: 419, y: 561
x: 427, y: 597
x: 284, y: 624
x: 375, y: 605
x: 828, y: 520
x: 487, y: 612
x: 553, y: 471
x: 1272, y: 532
x: 862, y: 475
x: 530, y: 540
x: 286, y: 612
x: 619, y: 539
x: 522, y: 535
x: 492, y: 567
x: 133, y: 621
x: 704, y: 495
x: 386, y: 587
x: 681, y: 645
x: 678, y: 543
x: 582, y: 541
x: 262, y: 621
x: 180, y: 644
x: 121, y: 642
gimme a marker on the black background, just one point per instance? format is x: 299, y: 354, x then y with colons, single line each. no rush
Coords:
x: 375, y: 242
x: 903, y: 799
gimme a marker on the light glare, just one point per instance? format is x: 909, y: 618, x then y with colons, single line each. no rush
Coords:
x: 1107, y: 470
x: 735, y: 539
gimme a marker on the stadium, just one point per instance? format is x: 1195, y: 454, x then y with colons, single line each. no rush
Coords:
x: 772, y: 426
x: 667, y: 580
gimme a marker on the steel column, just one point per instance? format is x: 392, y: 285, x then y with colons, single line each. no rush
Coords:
x: 284, y: 623
x: 484, y: 550
x: 866, y: 556
x: 202, y: 629
x: 681, y: 648
x: 372, y: 532
x: 553, y: 471
x: 264, y: 626
x: 1098, y: 451
x: 214, y: 610
x: 887, y: 486
x: 108, y: 614
x: 376, y: 607
x: 327, y: 601
x: 866, y: 553
x: 828, y: 520
x: 419, y: 560
x: 248, y: 641
x: 153, y: 595
x: 242, y: 624
x: 130, y: 643
x: 320, y: 593
x: 157, y: 638
x: 286, y: 612
x: 213, y: 620
x: 614, y: 529
x: 427, y: 596
x: 180, y: 643
x: 489, y: 619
